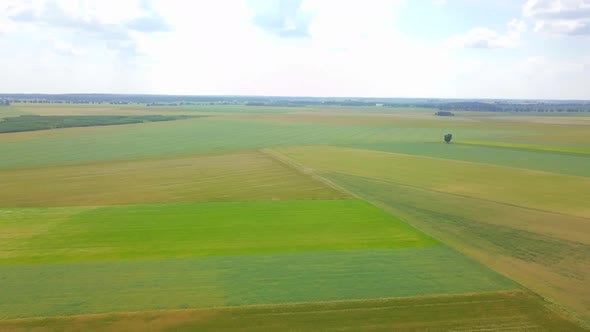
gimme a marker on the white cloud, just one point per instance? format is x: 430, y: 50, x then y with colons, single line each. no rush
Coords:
x: 486, y: 38
x: 562, y: 17
x: 355, y: 50
x: 534, y: 77
x: 66, y: 48
x: 348, y: 51
x: 111, y: 23
x: 284, y: 18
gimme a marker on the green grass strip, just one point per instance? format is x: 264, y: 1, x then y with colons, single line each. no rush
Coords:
x: 38, y: 235
x: 530, y: 147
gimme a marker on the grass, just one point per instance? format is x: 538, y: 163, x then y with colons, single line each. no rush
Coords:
x: 6, y: 112
x: 568, y: 228
x: 178, y: 230
x: 563, y: 194
x: 532, y: 147
x: 485, y: 311
x: 549, y: 253
x: 547, y: 161
x: 94, y: 287
x: 244, y: 176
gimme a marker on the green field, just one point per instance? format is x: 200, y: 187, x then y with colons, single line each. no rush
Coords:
x: 240, y: 253
x: 294, y: 218
x: 211, y: 134
x: 240, y: 280
x: 532, y: 147
x: 548, y: 252
x: 178, y: 230
x: 540, y: 160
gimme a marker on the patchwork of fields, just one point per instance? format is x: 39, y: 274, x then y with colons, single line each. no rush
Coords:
x: 531, y: 226
x: 483, y: 181
x: 357, y: 221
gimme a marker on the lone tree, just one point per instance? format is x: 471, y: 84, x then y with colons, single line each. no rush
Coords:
x: 448, y: 138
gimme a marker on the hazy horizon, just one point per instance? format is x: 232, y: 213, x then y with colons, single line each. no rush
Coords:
x: 377, y: 98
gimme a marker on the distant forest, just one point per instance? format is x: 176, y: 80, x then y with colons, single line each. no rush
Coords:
x: 38, y: 122
x: 480, y: 105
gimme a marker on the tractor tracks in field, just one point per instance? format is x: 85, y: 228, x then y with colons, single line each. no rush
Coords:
x: 310, y: 172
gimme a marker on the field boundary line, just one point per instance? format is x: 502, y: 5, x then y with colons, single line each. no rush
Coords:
x: 147, y: 158
x: 383, y: 307
x: 173, y: 203
x: 510, y: 292
x: 528, y: 147
x: 463, y: 196
x: 278, y: 157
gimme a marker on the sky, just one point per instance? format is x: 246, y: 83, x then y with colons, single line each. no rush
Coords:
x: 528, y: 49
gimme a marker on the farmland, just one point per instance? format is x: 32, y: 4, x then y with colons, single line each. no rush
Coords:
x: 516, y: 224
x: 491, y: 311
x: 294, y: 218
x: 176, y: 230
x: 465, y: 179
x: 192, y: 178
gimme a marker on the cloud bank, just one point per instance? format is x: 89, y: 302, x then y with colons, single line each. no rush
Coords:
x: 297, y: 47
x: 561, y: 17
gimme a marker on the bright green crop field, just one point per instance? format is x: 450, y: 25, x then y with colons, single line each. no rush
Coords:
x: 295, y: 218
x: 212, y: 229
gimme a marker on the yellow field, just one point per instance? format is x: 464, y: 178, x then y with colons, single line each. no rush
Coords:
x: 194, y: 178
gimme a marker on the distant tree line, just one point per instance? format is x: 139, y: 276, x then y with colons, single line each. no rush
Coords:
x: 4, y: 103
x: 480, y: 105
x: 39, y: 122
x: 516, y: 107
x: 444, y: 113
x: 161, y: 104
